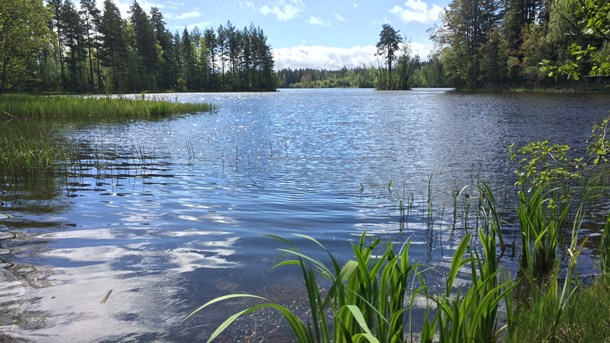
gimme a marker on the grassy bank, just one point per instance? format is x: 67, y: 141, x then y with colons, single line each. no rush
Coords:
x: 30, y: 126
x: 104, y: 108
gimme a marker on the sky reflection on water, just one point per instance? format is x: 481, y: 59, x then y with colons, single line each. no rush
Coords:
x: 170, y: 214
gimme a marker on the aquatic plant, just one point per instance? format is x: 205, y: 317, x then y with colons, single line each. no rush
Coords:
x: 101, y: 109
x: 30, y: 144
x: 604, y: 249
x: 541, y: 219
x: 28, y: 149
x: 473, y: 315
x: 371, y: 298
x: 366, y: 297
x: 548, y: 307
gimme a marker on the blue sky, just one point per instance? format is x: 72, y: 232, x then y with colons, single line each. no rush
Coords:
x: 310, y: 33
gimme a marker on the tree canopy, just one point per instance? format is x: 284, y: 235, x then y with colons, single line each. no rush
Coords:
x: 23, y: 34
x: 59, y: 46
x: 387, y: 47
x: 516, y: 43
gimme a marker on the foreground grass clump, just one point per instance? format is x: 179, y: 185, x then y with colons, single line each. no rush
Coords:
x: 28, y: 149
x: 26, y: 107
x: 365, y: 298
x: 372, y: 297
x: 585, y: 317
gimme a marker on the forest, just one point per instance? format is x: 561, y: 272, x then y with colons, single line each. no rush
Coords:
x: 490, y: 44
x: 59, y: 47
x: 480, y: 44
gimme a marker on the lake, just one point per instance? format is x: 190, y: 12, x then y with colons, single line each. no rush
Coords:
x: 156, y: 218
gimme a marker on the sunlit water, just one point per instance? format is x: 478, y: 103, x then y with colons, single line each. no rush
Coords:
x: 156, y: 218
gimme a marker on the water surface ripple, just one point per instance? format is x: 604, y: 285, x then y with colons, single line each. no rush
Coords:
x: 158, y: 217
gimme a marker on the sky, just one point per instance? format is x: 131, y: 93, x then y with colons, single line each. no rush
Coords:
x: 321, y: 34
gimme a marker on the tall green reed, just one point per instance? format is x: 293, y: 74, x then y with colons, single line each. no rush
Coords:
x: 473, y: 315
x: 365, y: 299
x: 28, y: 149
x: 103, y: 108
x: 541, y: 218
x: 604, y: 249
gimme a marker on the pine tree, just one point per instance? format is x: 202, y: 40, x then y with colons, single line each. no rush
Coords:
x: 73, y: 33
x: 388, y: 46
x: 145, y: 44
x: 55, y: 6
x: 91, y: 18
x: 114, y: 51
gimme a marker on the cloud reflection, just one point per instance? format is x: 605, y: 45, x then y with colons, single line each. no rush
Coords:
x: 139, y: 276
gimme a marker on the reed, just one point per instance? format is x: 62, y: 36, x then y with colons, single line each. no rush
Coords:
x: 604, y: 249
x: 365, y: 299
x: 30, y: 144
x: 28, y: 149
x: 371, y: 298
x: 473, y: 315
x: 103, y: 108
x: 541, y: 219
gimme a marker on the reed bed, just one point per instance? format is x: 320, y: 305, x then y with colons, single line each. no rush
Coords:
x: 102, y: 108
x: 30, y: 142
x: 28, y: 149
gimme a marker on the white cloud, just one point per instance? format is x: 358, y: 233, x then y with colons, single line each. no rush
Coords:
x: 190, y: 27
x: 317, y: 21
x: 324, y: 57
x: 421, y: 49
x: 247, y: 4
x: 339, y: 17
x: 284, y: 10
x: 418, y: 11
x: 174, y: 3
x: 332, y: 58
x: 185, y: 15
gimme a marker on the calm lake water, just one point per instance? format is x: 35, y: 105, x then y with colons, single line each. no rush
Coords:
x: 157, y: 218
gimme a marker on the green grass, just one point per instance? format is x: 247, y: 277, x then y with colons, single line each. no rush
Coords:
x: 103, y: 109
x: 30, y: 144
x: 365, y: 300
x: 585, y: 317
x: 28, y: 149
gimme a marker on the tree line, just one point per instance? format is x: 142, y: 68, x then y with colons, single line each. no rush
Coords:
x: 495, y: 44
x: 58, y: 46
x: 500, y: 43
x: 422, y: 74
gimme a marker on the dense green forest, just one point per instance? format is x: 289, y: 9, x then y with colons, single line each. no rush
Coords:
x: 499, y: 43
x: 61, y: 47
x: 420, y: 74
x: 495, y: 44
x: 58, y: 46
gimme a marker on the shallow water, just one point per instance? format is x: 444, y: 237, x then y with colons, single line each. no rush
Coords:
x: 156, y: 218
